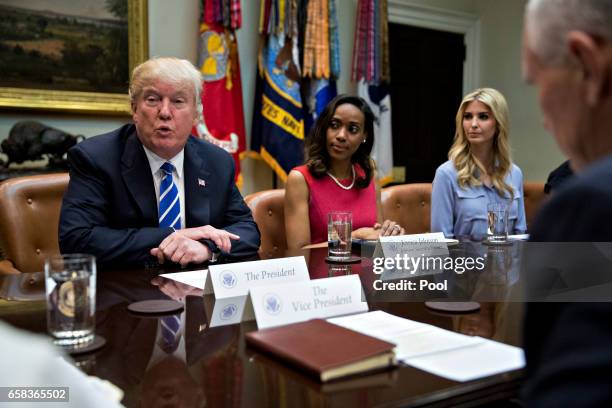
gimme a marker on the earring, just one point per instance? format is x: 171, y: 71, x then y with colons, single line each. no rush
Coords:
x: 363, y: 141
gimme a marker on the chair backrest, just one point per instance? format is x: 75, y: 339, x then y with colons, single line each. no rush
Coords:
x: 29, y: 219
x: 534, y: 198
x: 409, y: 205
x: 269, y: 214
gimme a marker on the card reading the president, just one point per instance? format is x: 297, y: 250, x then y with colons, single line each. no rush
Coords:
x: 230, y: 280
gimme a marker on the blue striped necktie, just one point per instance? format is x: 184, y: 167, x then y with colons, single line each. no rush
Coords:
x: 169, y: 203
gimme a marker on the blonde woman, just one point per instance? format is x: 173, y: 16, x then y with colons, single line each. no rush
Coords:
x: 479, y: 171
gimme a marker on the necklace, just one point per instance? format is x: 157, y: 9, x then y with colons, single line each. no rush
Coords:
x: 342, y: 186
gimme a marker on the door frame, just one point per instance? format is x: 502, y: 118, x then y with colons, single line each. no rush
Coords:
x: 445, y: 20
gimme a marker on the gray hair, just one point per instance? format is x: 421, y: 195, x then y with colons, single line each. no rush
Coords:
x: 548, y: 22
x: 178, y: 72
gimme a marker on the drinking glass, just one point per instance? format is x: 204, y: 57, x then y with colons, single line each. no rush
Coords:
x: 497, y: 223
x: 339, y: 230
x: 70, y: 283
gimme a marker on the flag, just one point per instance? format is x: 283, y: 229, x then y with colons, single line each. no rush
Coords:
x: 223, y: 117
x: 278, y: 123
x: 222, y: 121
x: 320, y: 93
x: 371, y: 69
x: 378, y: 98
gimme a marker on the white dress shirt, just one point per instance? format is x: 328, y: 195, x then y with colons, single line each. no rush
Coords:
x: 177, y: 175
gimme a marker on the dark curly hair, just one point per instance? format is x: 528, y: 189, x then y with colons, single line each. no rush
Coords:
x: 317, y: 156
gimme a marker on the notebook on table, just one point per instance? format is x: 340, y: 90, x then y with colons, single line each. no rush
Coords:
x: 323, y: 349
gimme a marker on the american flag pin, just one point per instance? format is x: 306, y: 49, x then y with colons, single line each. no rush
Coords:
x: 201, y: 183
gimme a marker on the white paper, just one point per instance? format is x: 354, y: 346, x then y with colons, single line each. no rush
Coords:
x: 411, y: 338
x: 197, y: 279
x: 469, y: 363
x: 281, y: 304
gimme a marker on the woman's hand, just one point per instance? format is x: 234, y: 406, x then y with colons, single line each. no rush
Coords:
x: 365, y: 233
x: 388, y: 228
x: 385, y: 229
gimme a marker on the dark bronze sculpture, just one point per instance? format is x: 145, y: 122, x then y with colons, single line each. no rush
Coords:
x: 30, y: 140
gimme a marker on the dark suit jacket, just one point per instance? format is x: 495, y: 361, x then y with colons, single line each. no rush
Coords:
x: 568, y: 346
x: 110, y: 207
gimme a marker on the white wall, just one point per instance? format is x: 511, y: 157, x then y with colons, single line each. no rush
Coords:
x: 173, y: 31
x: 534, y: 150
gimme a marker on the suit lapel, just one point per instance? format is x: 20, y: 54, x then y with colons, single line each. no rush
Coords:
x: 197, y: 199
x: 137, y: 176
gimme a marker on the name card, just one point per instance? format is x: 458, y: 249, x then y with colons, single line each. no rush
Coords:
x: 300, y: 301
x: 235, y: 279
x: 432, y: 243
x: 410, y: 249
x: 428, y: 237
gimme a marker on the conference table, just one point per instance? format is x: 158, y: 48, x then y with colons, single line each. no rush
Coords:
x: 215, y: 368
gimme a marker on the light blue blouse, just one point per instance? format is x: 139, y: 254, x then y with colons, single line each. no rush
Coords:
x: 457, y: 211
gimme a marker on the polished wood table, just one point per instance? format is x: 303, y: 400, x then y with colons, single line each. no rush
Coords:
x: 213, y: 367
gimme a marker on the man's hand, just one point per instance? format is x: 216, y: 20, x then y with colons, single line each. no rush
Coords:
x: 221, y: 238
x: 180, y: 249
x: 182, y: 246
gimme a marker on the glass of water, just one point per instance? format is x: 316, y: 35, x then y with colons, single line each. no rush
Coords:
x: 339, y: 230
x: 497, y: 223
x: 70, y: 283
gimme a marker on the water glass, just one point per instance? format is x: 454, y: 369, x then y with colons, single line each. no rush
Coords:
x: 497, y: 223
x: 70, y: 283
x: 339, y: 230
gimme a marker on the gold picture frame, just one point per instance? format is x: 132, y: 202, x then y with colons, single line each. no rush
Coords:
x: 87, y: 102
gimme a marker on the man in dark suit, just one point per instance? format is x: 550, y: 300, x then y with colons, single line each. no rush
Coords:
x: 567, y: 55
x: 148, y: 190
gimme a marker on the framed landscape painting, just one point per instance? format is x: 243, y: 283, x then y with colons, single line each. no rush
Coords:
x: 67, y: 55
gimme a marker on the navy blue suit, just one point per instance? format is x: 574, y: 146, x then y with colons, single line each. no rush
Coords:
x: 110, y: 207
x: 568, y: 346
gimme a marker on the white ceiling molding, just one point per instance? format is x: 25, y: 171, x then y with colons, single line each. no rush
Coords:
x: 416, y: 15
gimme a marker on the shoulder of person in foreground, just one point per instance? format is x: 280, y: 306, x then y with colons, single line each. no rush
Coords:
x: 34, y: 362
x: 581, y: 210
x: 573, y: 363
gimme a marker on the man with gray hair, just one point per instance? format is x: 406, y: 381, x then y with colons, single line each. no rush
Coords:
x: 148, y: 191
x: 567, y: 55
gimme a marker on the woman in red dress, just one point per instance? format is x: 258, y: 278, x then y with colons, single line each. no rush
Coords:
x: 338, y: 175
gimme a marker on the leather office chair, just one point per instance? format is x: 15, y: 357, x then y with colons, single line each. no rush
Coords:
x: 29, y: 219
x: 409, y: 205
x: 269, y: 214
x: 534, y: 198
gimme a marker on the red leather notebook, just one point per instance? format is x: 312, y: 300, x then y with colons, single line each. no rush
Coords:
x: 324, y: 349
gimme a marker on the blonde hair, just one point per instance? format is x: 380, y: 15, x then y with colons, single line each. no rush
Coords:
x: 460, y: 152
x: 175, y: 71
